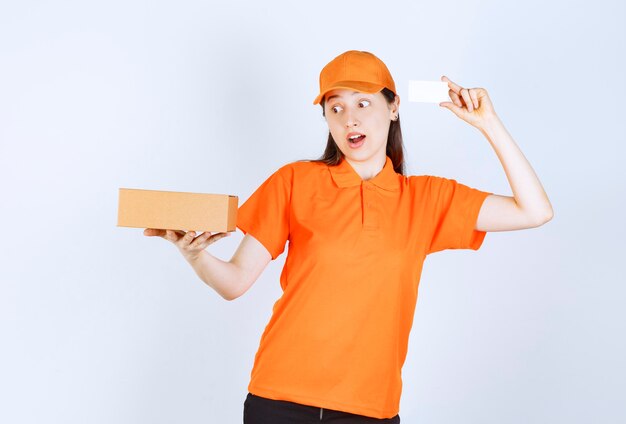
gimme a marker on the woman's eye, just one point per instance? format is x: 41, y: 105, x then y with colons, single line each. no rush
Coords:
x: 366, y: 102
x: 335, y: 108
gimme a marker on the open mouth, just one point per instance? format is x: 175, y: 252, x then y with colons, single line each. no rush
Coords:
x: 355, y: 138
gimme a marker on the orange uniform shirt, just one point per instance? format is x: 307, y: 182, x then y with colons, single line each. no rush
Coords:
x: 338, y: 335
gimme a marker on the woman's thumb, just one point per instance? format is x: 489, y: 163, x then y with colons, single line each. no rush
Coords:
x: 451, y: 106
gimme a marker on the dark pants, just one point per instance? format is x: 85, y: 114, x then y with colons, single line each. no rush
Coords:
x: 260, y: 410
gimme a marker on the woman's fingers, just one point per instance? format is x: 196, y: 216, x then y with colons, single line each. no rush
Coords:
x: 206, y: 239
x: 200, y: 241
x: 455, y: 98
x: 158, y: 232
x: 173, y: 235
x: 454, y: 91
x: 218, y: 236
x: 453, y: 86
x: 186, y: 241
x: 153, y: 232
x: 187, y: 238
x: 170, y: 235
x: 474, y: 96
x: 203, y: 240
x: 468, y: 100
x: 470, y: 97
x: 192, y: 242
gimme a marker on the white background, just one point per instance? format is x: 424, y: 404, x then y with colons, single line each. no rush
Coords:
x: 101, y: 324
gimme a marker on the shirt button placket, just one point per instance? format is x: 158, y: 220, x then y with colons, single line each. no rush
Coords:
x: 370, y: 221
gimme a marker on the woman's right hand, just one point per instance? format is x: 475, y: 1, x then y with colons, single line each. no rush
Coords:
x: 187, y: 243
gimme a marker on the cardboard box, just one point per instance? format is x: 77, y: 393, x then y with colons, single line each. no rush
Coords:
x: 174, y: 210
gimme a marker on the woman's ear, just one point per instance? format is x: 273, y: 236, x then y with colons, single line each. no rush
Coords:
x: 396, y: 103
x: 394, y: 106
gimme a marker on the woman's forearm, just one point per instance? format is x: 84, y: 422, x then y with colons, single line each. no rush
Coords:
x: 527, y: 189
x: 223, y: 277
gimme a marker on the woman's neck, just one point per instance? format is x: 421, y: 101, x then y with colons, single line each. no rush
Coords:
x: 368, y: 169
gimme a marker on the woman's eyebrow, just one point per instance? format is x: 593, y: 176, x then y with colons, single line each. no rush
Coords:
x: 337, y: 95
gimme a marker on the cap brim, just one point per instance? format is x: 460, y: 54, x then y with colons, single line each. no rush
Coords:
x: 364, y: 87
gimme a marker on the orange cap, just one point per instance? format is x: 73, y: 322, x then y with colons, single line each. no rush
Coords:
x: 357, y: 70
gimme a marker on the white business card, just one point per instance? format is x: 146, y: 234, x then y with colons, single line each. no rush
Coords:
x: 428, y: 91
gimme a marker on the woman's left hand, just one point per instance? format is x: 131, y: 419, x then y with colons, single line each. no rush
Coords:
x: 470, y: 104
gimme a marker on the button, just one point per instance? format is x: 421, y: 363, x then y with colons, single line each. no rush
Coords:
x: 370, y: 187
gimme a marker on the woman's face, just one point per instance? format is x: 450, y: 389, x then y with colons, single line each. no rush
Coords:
x: 359, y: 123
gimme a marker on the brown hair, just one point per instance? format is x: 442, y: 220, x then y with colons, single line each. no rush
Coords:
x: 395, y: 148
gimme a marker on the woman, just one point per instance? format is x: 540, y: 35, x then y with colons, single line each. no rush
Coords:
x: 358, y: 232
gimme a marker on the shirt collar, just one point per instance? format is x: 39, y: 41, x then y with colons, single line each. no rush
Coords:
x: 345, y: 176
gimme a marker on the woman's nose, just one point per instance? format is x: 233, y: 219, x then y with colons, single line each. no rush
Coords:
x: 351, y: 120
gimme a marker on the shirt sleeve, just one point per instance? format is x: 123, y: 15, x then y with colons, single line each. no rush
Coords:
x: 265, y: 215
x: 455, y: 212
